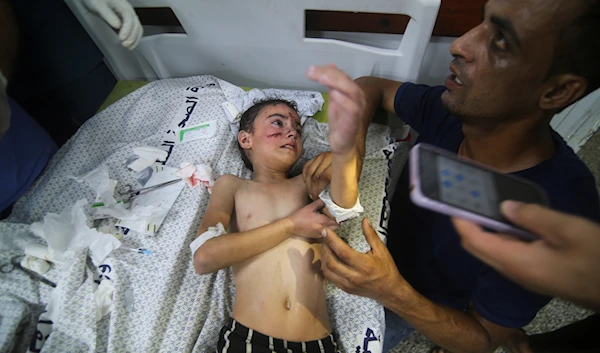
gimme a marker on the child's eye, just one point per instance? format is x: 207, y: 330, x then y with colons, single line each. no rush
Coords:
x: 277, y: 122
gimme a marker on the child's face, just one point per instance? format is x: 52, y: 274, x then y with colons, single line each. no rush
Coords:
x: 276, y: 137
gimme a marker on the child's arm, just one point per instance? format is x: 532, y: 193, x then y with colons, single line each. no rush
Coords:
x: 232, y: 248
x: 344, y: 178
x: 346, y: 104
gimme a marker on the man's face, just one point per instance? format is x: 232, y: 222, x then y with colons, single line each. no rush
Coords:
x: 277, y: 137
x: 500, y: 66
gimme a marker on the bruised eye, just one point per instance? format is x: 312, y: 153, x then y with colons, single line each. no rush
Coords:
x: 277, y: 122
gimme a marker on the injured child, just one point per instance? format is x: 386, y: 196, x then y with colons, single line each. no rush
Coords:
x: 273, y: 237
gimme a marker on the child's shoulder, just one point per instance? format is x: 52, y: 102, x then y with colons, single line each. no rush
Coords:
x: 298, y: 179
x: 227, y: 186
x: 229, y: 180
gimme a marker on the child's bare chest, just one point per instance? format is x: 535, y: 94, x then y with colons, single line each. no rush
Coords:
x: 257, y: 205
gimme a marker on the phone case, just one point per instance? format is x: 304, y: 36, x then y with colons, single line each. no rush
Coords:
x: 421, y: 200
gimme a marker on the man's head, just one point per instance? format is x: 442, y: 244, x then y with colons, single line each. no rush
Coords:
x: 270, y: 133
x: 526, y: 58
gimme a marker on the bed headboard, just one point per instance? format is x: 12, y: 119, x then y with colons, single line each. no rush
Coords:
x: 262, y: 43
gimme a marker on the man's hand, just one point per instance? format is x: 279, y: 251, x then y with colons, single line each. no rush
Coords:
x: 373, y: 274
x: 317, y: 174
x: 308, y: 222
x: 518, y: 343
x: 346, y: 106
x: 562, y: 263
x: 119, y: 14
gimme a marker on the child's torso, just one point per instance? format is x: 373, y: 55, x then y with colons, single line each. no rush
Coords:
x: 280, y: 292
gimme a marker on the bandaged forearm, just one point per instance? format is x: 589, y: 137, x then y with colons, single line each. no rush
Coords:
x: 341, y: 214
x: 211, y: 232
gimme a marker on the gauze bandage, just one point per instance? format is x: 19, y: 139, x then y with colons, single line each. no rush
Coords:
x: 340, y: 214
x: 211, y: 232
x: 145, y: 156
x: 196, y: 174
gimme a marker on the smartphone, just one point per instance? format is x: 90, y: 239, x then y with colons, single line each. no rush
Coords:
x: 443, y: 182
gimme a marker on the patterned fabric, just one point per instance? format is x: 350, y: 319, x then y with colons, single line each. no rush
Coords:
x: 160, y: 303
x: 19, y: 296
x: 237, y: 338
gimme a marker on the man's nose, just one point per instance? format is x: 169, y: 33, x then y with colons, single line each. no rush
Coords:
x: 464, y: 46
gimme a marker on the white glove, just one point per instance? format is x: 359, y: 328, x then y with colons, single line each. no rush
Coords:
x: 119, y: 14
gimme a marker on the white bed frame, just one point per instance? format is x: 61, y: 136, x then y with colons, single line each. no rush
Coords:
x: 262, y: 43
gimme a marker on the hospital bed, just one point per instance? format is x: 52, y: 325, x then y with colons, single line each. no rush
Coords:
x: 159, y: 303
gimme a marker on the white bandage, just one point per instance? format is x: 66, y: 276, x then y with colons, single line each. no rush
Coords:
x: 340, y: 214
x: 211, y: 232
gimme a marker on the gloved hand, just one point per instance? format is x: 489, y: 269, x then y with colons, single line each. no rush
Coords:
x: 119, y: 14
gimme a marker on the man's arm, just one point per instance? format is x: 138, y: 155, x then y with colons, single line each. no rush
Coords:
x: 231, y: 248
x: 454, y: 330
x: 375, y: 275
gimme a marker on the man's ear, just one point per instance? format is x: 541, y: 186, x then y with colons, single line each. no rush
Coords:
x: 562, y: 90
x: 245, y: 140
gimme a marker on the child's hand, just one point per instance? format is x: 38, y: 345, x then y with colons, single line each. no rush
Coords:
x: 317, y: 174
x: 309, y: 223
x: 346, y: 106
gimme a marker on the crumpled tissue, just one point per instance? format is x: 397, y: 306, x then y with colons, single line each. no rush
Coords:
x: 145, y: 156
x: 103, y: 297
x: 109, y: 226
x: 35, y: 264
x: 37, y: 250
x: 99, y: 180
x: 68, y: 232
x: 196, y: 174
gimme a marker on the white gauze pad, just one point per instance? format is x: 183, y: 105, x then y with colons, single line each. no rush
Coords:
x: 340, y: 214
x: 211, y: 232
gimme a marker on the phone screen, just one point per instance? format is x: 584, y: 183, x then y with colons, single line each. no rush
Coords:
x: 462, y: 185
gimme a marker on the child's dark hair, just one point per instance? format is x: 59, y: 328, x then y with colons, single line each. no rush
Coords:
x: 248, y: 117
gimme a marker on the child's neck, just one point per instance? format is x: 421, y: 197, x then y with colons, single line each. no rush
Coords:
x: 267, y: 175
